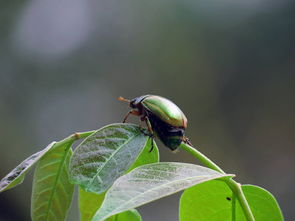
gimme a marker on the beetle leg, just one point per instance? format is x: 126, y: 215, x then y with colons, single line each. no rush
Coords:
x: 187, y: 141
x: 150, y: 129
x: 133, y: 112
x: 150, y: 132
x: 152, y: 140
x: 151, y: 136
x: 148, y: 123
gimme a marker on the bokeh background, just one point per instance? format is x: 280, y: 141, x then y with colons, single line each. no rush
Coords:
x: 228, y: 64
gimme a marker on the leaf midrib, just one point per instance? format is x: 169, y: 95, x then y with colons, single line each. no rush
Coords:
x: 163, y: 186
x: 56, y: 180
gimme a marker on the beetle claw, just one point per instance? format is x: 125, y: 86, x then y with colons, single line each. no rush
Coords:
x: 152, y: 140
x: 187, y: 141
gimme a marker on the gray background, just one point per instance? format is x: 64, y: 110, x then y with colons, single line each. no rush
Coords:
x: 228, y: 64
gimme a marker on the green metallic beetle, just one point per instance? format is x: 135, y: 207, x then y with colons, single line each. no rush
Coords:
x: 161, y: 116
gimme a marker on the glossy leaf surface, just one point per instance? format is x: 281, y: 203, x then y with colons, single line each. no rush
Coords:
x: 151, y: 182
x: 213, y: 201
x: 52, y: 192
x: 106, y: 155
x: 17, y: 175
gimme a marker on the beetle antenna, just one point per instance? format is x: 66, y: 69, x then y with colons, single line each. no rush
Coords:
x: 123, y: 99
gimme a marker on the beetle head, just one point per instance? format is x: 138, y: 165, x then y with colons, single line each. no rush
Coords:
x: 132, y: 103
x: 135, y: 102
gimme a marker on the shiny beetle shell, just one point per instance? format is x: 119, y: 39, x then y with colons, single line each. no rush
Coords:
x: 165, y: 109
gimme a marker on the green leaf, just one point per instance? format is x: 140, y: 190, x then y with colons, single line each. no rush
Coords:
x: 17, y: 175
x: 207, y: 201
x: 105, y: 155
x: 52, y: 192
x: 147, y: 157
x: 262, y: 203
x: 129, y: 215
x: 89, y: 202
x: 213, y: 201
x: 151, y: 182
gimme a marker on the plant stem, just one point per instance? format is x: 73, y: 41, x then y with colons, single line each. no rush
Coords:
x: 234, y: 186
x: 237, y: 190
x: 201, y: 157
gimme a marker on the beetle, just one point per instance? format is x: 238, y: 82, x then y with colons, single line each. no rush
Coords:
x: 162, y: 116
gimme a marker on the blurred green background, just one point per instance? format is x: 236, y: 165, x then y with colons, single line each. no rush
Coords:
x: 228, y: 64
